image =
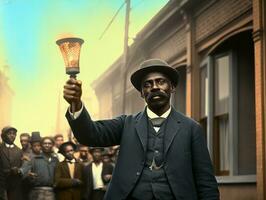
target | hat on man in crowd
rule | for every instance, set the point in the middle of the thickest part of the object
(35, 137)
(154, 65)
(6, 129)
(62, 146)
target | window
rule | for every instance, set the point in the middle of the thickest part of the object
(221, 113)
(227, 113)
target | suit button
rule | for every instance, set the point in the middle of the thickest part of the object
(138, 173)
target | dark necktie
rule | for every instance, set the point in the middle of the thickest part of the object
(157, 122)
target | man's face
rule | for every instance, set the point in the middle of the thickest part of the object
(36, 147)
(106, 159)
(47, 146)
(83, 152)
(10, 137)
(24, 141)
(156, 90)
(97, 155)
(59, 141)
(69, 152)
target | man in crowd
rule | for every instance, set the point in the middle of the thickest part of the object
(25, 144)
(113, 152)
(162, 155)
(84, 155)
(68, 174)
(35, 143)
(106, 156)
(58, 139)
(97, 175)
(40, 172)
(10, 163)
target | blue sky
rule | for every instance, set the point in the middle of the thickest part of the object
(28, 31)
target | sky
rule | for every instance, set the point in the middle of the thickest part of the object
(28, 31)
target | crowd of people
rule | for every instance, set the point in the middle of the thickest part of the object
(48, 168)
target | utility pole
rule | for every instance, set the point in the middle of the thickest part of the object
(123, 69)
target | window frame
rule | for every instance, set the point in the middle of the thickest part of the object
(209, 63)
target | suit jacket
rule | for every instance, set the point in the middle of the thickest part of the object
(88, 177)
(12, 183)
(188, 166)
(64, 184)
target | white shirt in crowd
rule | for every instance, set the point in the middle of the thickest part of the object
(97, 176)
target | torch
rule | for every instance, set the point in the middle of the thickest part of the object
(70, 49)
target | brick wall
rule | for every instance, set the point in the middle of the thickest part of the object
(219, 14)
(172, 46)
(260, 66)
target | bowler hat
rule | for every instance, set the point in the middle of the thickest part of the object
(62, 146)
(153, 65)
(8, 128)
(35, 137)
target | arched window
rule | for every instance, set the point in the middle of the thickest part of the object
(227, 107)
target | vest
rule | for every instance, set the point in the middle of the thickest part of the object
(153, 183)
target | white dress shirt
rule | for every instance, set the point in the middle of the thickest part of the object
(152, 115)
(97, 176)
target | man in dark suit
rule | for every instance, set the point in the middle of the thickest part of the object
(10, 162)
(97, 175)
(163, 154)
(68, 174)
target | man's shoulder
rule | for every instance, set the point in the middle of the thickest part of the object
(63, 162)
(185, 119)
(136, 115)
(18, 149)
(88, 167)
(79, 164)
(38, 157)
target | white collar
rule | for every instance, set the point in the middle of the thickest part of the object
(152, 115)
(9, 145)
(71, 161)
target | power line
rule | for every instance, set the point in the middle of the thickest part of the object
(113, 18)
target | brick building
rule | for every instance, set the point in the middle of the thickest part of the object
(219, 48)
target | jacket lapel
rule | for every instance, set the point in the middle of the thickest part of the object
(171, 130)
(5, 151)
(142, 129)
(77, 170)
(66, 169)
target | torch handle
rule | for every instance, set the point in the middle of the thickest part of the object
(73, 103)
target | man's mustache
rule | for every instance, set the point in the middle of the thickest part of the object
(157, 93)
